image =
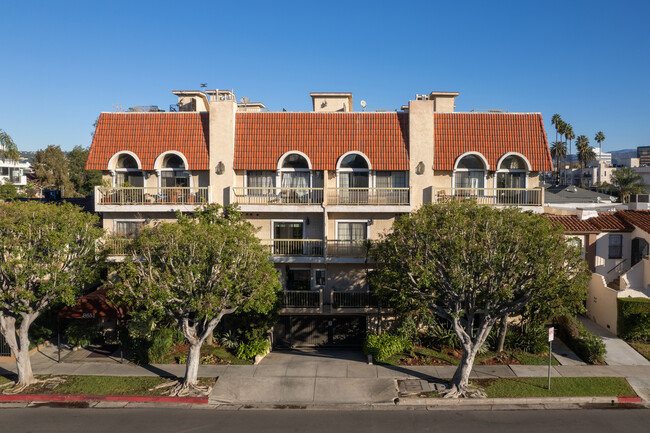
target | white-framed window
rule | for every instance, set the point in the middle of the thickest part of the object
(615, 246)
(287, 237)
(353, 171)
(470, 171)
(512, 172)
(298, 279)
(130, 228)
(173, 172)
(352, 231)
(260, 182)
(128, 172)
(391, 179)
(319, 279)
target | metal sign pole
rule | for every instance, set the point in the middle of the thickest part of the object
(551, 335)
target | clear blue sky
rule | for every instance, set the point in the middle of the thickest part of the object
(65, 62)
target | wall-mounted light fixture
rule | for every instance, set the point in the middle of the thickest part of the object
(419, 169)
(220, 168)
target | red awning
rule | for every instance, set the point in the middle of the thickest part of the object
(93, 306)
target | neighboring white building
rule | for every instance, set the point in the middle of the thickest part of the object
(14, 171)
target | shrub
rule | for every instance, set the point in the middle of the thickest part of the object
(161, 340)
(251, 348)
(634, 318)
(441, 334)
(383, 346)
(531, 339)
(82, 332)
(589, 347)
(38, 334)
(228, 340)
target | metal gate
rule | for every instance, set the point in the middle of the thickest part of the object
(4, 347)
(320, 331)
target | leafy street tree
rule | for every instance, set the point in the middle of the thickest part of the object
(83, 180)
(197, 271)
(628, 182)
(8, 149)
(48, 252)
(558, 151)
(51, 169)
(8, 191)
(472, 265)
(585, 154)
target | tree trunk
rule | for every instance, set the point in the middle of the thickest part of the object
(192, 364)
(19, 345)
(502, 333)
(460, 381)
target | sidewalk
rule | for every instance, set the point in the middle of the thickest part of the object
(307, 378)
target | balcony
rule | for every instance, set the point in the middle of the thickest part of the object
(294, 247)
(302, 301)
(149, 198)
(355, 300)
(339, 248)
(491, 196)
(118, 246)
(260, 196)
(368, 196)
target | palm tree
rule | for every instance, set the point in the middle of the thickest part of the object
(8, 149)
(558, 150)
(556, 120)
(628, 182)
(600, 137)
(568, 136)
(585, 154)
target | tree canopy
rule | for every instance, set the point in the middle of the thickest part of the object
(628, 181)
(83, 180)
(48, 253)
(473, 265)
(51, 169)
(196, 271)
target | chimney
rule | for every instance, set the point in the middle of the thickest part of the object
(332, 102)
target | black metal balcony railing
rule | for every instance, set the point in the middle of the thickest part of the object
(339, 248)
(368, 196)
(295, 247)
(353, 300)
(492, 196)
(151, 195)
(277, 196)
(302, 299)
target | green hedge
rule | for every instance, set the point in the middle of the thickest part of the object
(634, 318)
(589, 347)
(383, 346)
(251, 348)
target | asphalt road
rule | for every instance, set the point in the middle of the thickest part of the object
(47, 419)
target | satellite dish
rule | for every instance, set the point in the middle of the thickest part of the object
(245, 100)
(363, 103)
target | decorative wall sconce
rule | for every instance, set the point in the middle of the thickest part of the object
(419, 169)
(220, 168)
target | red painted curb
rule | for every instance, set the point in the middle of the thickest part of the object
(124, 398)
(629, 399)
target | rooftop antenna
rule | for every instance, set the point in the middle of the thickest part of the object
(245, 101)
(363, 105)
(204, 85)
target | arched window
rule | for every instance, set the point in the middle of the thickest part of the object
(295, 177)
(470, 172)
(354, 171)
(512, 172)
(127, 172)
(173, 172)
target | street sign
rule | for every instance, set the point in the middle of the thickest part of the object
(551, 334)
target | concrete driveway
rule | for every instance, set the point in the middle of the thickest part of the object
(618, 351)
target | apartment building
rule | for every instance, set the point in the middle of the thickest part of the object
(319, 185)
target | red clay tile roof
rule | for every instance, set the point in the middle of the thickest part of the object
(148, 135)
(572, 223)
(492, 135)
(639, 218)
(611, 222)
(262, 138)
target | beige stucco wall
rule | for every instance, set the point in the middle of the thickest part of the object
(381, 223)
(601, 303)
(603, 263)
(346, 277)
(421, 148)
(264, 222)
(222, 148)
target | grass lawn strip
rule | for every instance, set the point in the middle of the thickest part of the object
(104, 385)
(522, 387)
(643, 347)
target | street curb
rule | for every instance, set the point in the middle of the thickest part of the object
(445, 402)
(114, 398)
